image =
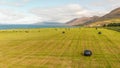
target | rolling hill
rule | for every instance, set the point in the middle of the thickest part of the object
(50, 24)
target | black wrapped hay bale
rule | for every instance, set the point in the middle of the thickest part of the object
(99, 32)
(87, 52)
(63, 32)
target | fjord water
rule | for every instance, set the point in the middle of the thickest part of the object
(30, 26)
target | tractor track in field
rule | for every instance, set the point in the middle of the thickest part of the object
(75, 51)
(108, 46)
(100, 46)
(23, 56)
(54, 50)
(43, 47)
(18, 57)
(111, 49)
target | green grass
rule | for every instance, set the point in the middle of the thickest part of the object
(114, 28)
(48, 48)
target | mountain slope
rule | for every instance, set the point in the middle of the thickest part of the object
(112, 17)
(113, 14)
(82, 21)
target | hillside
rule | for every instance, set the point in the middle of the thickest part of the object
(112, 17)
(82, 21)
(105, 22)
(113, 14)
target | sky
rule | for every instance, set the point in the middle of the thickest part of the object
(62, 11)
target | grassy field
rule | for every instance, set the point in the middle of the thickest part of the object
(49, 48)
(114, 28)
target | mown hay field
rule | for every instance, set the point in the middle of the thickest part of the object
(50, 48)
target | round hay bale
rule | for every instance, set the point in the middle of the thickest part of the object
(63, 32)
(55, 29)
(26, 31)
(96, 28)
(87, 52)
(99, 32)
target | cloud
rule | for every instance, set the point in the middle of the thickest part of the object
(113, 1)
(18, 3)
(26, 1)
(63, 13)
(109, 4)
(55, 14)
(8, 16)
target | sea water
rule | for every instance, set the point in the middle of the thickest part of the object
(31, 26)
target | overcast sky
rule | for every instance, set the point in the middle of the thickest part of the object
(34, 11)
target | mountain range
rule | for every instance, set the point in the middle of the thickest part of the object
(49, 23)
(112, 17)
